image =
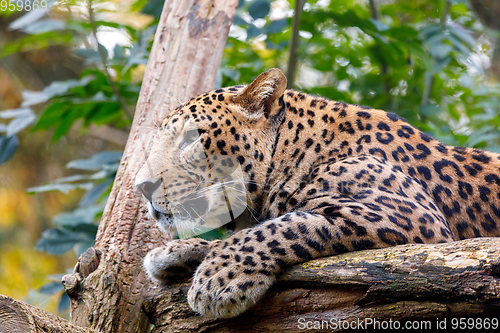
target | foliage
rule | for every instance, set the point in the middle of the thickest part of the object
(76, 229)
(98, 96)
(421, 59)
(104, 94)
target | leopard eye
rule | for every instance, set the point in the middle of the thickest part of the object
(189, 137)
(192, 135)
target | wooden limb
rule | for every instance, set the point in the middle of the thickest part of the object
(424, 282)
(109, 285)
(19, 317)
(294, 44)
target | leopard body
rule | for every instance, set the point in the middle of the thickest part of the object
(320, 178)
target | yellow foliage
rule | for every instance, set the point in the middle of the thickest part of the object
(16, 206)
(22, 269)
(119, 11)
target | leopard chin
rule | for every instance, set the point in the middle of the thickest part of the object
(190, 219)
(164, 219)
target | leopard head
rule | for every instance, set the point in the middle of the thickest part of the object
(210, 156)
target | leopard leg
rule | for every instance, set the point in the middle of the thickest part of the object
(239, 270)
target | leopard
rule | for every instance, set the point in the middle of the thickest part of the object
(309, 177)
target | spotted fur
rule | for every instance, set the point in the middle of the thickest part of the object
(319, 177)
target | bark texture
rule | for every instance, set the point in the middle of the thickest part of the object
(109, 285)
(424, 282)
(19, 317)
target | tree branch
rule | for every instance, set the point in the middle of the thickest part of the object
(294, 43)
(109, 285)
(19, 317)
(459, 279)
(383, 65)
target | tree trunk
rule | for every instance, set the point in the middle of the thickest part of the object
(109, 284)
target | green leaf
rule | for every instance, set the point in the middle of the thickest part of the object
(379, 25)
(104, 113)
(238, 20)
(459, 46)
(8, 146)
(479, 137)
(119, 52)
(95, 193)
(231, 73)
(253, 31)
(84, 228)
(96, 162)
(276, 26)
(91, 56)
(73, 178)
(57, 88)
(51, 288)
(16, 113)
(103, 50)
(64, 303)
(435, 40)
(138, 55)
(430, 110)
(36, 42)
(59, 241)
(464, 36)
(153, 8)
(441, 50)
(43, 26)
(30, 18)
(81, 215)
(430, 30)
(52, 114)
(63, 126)
(259, 9)
(18, 124)
(65, 188)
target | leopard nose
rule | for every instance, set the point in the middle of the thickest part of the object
(147, 188)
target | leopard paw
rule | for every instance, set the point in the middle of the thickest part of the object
(227, 291)
(179, 258)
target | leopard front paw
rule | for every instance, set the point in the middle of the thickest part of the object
(227, 291)
(178, 259)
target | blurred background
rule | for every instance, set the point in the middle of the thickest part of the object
(71, 71)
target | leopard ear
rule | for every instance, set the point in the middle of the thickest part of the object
(262, 95)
